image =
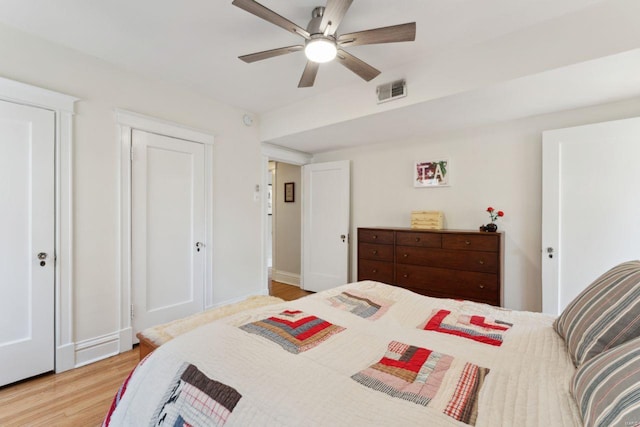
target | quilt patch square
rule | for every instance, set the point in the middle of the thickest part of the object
(293, 330)
(193, 399)
(360, 304)
(463, 405)
(407, 372)
(477, 328)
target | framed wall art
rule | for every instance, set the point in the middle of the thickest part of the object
(432, 173)
(289, 192)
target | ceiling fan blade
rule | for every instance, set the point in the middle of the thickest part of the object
(309, 74)
(392, 34)
(260, 11)
(259, 56)
(358, 66)
(333, 13)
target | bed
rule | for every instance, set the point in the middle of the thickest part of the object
(372, 354)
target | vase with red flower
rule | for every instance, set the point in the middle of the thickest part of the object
(492, 227)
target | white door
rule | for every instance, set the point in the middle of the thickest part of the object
(325, 214)
(167, 228)
(591, 208)
(27, 264)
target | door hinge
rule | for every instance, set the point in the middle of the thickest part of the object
(131, 153)
(131, 311)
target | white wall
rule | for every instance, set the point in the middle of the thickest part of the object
(101, 88)
(288, 225)
(497, 166)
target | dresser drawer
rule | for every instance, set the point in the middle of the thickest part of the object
(425, 240)
(380, 271)
(485, 262)
(375, 236)
(375, 252)
(453, 283)
(471, 242)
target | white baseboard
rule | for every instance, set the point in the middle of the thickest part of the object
(65, 357)
(286, 277)
(94, 349)
(125, 339)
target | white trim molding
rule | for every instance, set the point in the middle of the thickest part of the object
(161, 127)
(94, 349)
(285, 155)
(127, 121)
(286, 277)
(63, 107)
(277, 154)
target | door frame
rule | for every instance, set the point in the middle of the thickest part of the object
(127, 121)
(63, 107)
(277, 154)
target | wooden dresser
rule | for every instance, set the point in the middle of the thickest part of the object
(443, 263)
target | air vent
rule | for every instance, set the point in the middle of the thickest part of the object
(390, 91)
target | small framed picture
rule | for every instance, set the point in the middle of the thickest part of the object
(289, 192)
(432, 173)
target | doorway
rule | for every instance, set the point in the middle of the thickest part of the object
(324, 196)
(271, 156)
(285, 222)
(175, 150)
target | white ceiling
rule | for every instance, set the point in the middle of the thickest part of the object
(195, 43)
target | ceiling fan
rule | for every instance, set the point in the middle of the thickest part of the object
(322, 43)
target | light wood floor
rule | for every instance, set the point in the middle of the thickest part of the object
(286, 292)
(82, 396)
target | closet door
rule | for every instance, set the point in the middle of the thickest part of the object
(167, 228)
(27, 228)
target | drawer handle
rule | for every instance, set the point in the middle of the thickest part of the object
(466, 242)
(375, 252)
(374, 237)
(405, 255)
(481, 286)
(374, 271)
(405, 275)
(481, 262)
(417, 239)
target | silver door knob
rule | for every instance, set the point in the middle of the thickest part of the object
(42, 255)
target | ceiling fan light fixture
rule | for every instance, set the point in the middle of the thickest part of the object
(320, 49)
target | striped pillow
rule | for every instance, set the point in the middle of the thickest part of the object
(604, 315)
(607, 387)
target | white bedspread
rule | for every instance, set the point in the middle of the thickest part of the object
(333, 383)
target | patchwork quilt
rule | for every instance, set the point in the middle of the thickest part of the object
(360, 354)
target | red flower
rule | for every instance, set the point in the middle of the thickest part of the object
(493, 214)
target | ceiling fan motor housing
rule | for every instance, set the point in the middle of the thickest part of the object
(316, 20)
